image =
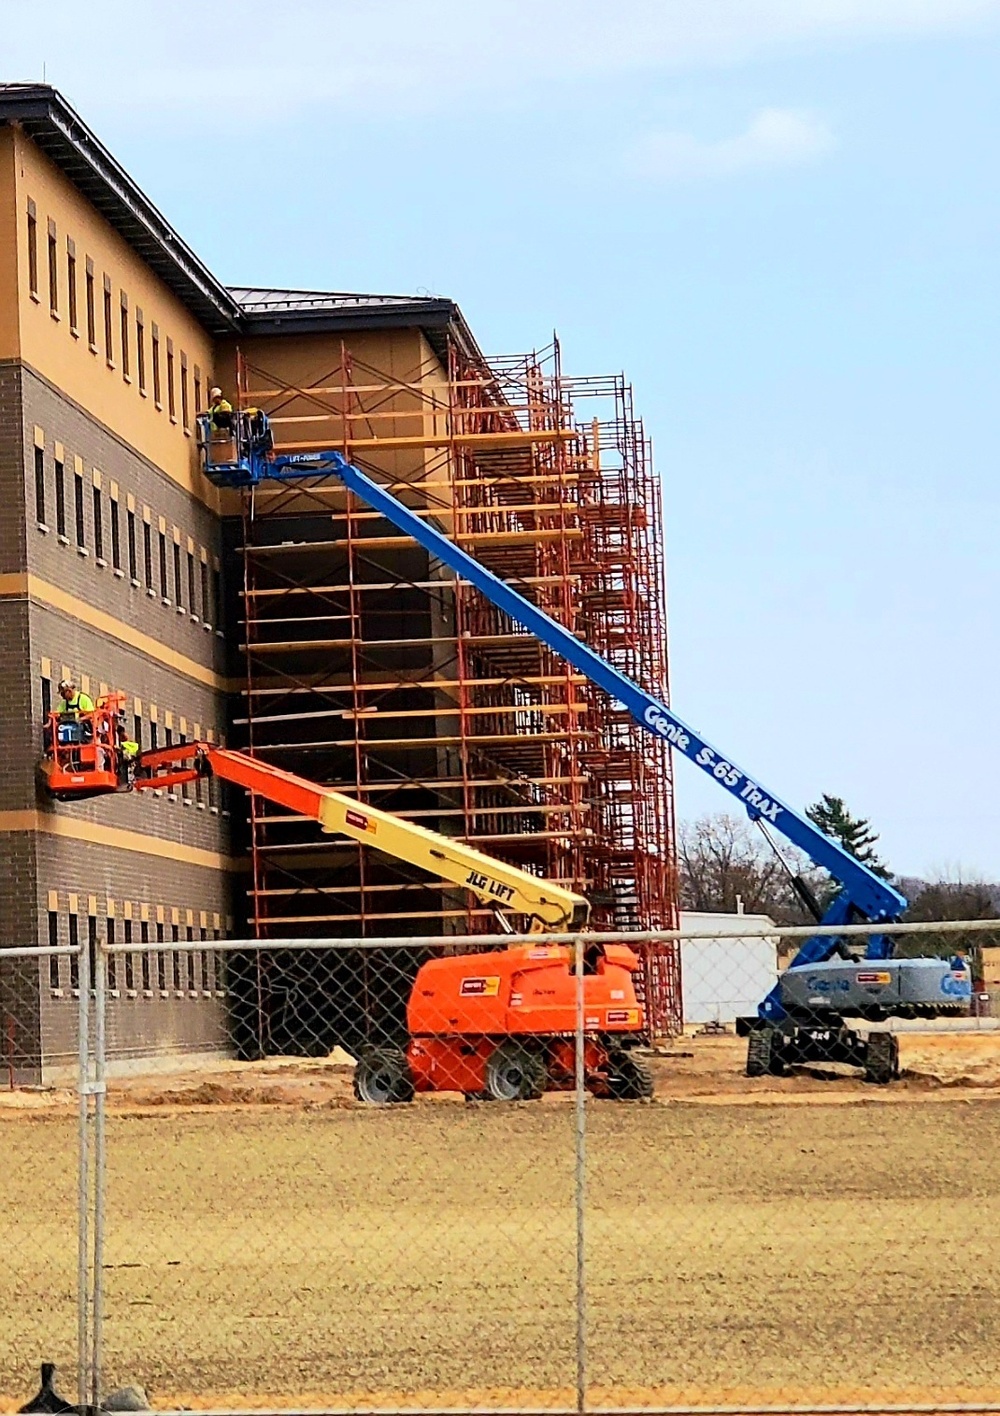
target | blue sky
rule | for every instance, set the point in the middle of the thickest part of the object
(780, 217)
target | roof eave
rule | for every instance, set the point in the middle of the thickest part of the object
(439, 319)
(43, 114)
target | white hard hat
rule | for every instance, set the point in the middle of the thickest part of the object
(215, 393)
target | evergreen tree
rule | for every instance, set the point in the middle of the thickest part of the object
(854, 833)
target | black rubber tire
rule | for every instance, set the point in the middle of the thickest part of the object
(763, 1055)
(382, 1077)
(514, 1072)
(630, 1078)
(881, 1058)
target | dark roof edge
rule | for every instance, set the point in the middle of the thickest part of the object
(437, 316)
(56, 128)
(31, 105)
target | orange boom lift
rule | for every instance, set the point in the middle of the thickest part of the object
(498, 1025)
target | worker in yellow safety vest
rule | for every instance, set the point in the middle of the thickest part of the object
(73, 704)
(220, 411)
(73, 701)
(128, 754)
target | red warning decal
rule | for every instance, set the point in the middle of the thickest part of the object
(360, 821)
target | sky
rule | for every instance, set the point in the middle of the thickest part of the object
(780, 218)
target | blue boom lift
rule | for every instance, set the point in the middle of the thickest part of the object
(802, 1019)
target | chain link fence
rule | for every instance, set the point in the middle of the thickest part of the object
(421, 1178)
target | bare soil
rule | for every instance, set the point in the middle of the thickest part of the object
(801, 1239)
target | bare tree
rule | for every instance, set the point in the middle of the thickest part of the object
(724, 862)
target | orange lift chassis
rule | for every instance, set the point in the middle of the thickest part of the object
(498, 1025)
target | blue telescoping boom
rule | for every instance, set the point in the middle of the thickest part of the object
(863, 896)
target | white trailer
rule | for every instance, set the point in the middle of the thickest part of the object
(725, 976)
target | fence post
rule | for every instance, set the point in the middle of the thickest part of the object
(100, 1063)
(83, 1182)
(580, 1183)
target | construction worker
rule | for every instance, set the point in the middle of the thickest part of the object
(128, 752)
(73, 703)
(72, 700)
(259, 429)
(220, 411)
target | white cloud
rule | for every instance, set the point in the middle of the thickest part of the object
(383, 57)
(777, 137)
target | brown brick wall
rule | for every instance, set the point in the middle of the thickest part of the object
(18, 753)
(20, 1037)
(61, 564)
(153, 653)
(12, 538)
(142, 1022)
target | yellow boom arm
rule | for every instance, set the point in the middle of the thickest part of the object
(492, 881)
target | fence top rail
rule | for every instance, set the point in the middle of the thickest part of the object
(37, 951)
(504, 941)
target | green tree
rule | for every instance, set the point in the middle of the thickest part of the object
(854, 833)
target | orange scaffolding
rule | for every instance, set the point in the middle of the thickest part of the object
(371, 667)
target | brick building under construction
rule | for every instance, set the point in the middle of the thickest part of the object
(293, 621)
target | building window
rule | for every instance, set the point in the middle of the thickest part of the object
(32, 249)
(116, 537)
(53, 270)
(191, 599)
(140, 349)
(92, 947)
(71, 284)
(81, 531)
(206, 608)
(74, 959)
(47, 699)
(98, 525)
(129, 960)
(163, 569)
(147, 553)
(126, 362)
(161, 962)
(190, 960)
(40, 485)
(60, 499)
(144, 940)
(197, 390)
(91, 311)
(171, 399)
(137, 728)
(178, 596)
(109, 334)
(55, 982)
(112, 959)
(185, 404)
(154, 735)
(133, 569)
(175, 958)
(204, 968)
(156, 367)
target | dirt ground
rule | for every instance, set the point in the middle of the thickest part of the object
(798, 1239)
